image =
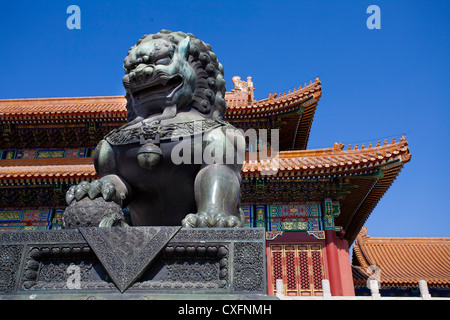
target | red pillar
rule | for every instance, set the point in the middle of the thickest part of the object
(334, 271)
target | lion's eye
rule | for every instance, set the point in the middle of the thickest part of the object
(164, 61)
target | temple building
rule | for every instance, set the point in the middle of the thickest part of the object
(312, 203)
(401, 263)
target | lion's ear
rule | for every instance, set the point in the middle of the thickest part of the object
(183, 47)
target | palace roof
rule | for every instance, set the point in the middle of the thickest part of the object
(44, 110)
(275, 104)
(402, 261)
(292, 113)
(329, 162)
(38, 171)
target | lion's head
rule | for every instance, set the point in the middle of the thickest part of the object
(173, 70)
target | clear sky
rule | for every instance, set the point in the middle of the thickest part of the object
(377, 84)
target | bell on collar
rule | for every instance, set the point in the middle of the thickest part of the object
(149, 156)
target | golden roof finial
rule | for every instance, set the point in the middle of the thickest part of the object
(356, 147)
(378, 143)
(393, 140)
(370, 145)
(385, 142)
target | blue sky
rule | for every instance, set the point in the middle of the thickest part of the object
(377, 84)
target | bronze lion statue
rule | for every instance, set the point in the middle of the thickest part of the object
(176, 160)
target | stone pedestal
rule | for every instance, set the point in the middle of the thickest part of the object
(133, 263)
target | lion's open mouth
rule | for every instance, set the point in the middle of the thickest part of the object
(163, 87)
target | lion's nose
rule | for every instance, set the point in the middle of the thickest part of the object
(144, 70)
(149, 71)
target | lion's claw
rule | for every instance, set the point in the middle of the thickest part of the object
(93, 190)
(81, 190)
(210, 220)
(108, 191)
(70, 194)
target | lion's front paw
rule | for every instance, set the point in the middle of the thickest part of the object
(93, 190)
(210, 220)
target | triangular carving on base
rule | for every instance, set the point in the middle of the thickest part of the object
(126, 252)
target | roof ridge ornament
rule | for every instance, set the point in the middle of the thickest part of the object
(362, 235)
(338, 147)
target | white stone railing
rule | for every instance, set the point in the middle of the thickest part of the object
(374, 290)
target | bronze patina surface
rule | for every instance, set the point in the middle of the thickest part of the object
(175, 162)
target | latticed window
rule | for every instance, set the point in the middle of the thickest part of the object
(300, 266)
